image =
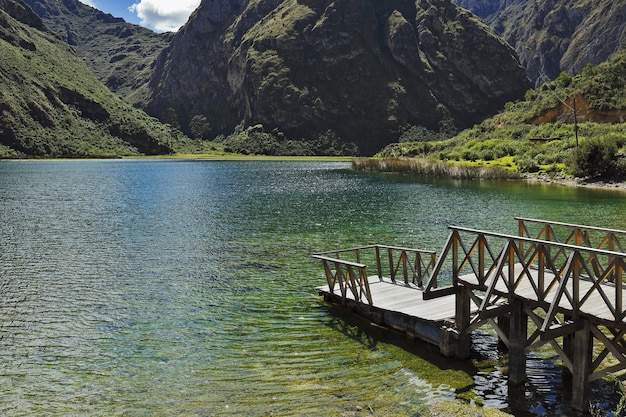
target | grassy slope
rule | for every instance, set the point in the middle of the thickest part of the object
(52, 105)
(120, 54)
(505, 139)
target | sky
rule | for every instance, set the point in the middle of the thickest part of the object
(158, 15)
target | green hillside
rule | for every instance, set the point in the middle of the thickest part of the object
(53, 106)
(120, 54)
(539, 133)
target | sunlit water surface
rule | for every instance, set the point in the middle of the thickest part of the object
(186, 288)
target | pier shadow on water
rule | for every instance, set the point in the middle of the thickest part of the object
(546, 392)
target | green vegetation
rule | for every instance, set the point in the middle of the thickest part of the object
(53, 106)
(597, 158)
(431, 168)
(255, 141)
(120, 54)
(539, 134)
(445, 408)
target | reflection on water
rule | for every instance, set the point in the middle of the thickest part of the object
(186, 288)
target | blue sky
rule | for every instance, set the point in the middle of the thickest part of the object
(158, 15)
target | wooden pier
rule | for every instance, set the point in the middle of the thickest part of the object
(566, 279)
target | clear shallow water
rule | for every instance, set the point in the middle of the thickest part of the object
(155, 288)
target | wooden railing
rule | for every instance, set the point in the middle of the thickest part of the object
(347, 268)
(573, 234)
(347, 275)
(495, 265)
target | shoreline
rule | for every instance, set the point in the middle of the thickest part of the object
(183, 157)
(576, 182)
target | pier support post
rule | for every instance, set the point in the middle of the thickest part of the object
(583, 345)
(504, 322)
(518, 335)
(462, 319)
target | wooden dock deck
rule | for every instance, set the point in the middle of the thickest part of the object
(567, 279)
(405, 299)
(401, 307)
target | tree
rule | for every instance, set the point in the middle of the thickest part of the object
(200, 127)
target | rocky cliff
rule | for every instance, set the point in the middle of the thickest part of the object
(363, 69)
(120, 54)
(552, 36)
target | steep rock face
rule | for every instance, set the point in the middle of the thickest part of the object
(121, 54)
(361, 68)
(552, 36)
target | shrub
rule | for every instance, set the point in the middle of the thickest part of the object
(594, 158)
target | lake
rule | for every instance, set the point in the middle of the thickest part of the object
(186, 288)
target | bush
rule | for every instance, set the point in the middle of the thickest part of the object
(595, 158)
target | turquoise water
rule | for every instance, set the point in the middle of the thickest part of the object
(186, 288)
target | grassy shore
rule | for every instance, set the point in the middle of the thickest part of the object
(438, 169)
(433, 168)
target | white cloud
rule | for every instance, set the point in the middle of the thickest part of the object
(91, 3)
(164, 15)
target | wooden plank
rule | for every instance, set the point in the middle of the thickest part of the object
(406, 299)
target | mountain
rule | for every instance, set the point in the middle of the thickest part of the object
(486, 8)
(121, 54)
(363, 69)
(552, 36)
(572, 125)
(51, 103)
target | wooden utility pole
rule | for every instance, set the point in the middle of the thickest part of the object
(575, 122)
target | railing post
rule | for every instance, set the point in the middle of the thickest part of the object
(541, 273)
(520, 232)
(405, 270)
(618, 271)
(378, 265)
(549, 239)
(576, 282)
(481, 260)
(612, 239)
(455, 258)
(511, 260)
(392, 273)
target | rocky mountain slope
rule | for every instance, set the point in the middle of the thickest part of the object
(552, 36)
(52, 104)
(363, 69)
(121, 54)
(543, 133)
